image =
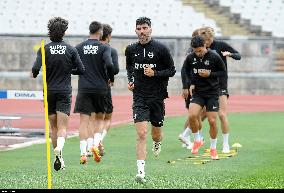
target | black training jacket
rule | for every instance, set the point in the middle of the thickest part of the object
(97, 60)
(158, 57)
(61, 61)
(205, 86)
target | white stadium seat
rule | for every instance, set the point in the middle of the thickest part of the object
(170, 17)
(266, 13)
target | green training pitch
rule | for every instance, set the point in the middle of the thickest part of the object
(258, 164)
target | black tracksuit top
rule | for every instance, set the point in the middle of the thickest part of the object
(61, 60)
(205, 86)
(157, 55)
(97, 60)
(218, 46)
(221, 46)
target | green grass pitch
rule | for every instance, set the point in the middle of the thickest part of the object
(258, 164)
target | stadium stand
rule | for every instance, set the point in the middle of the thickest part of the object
(17, 18)
(229, 26)
(267, 14)
(246, 18)
(279, 60)
(23, 26)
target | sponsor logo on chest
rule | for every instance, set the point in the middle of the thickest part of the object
(142, 66)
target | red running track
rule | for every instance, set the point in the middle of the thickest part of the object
(32, 111)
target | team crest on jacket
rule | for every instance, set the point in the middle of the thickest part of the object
(151, 54)
(206, 62)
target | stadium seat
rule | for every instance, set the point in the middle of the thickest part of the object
(31, 16)
(261, 13)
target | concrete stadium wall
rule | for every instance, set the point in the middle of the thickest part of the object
(252, 75)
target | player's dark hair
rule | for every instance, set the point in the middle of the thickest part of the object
(107, 30)
(95, 26)
(197, 41)
(143, 20)
(56, 28)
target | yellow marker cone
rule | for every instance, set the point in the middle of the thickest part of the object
(236, 145)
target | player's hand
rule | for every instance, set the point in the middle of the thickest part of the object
(204, 73)
(130, 86)
(226, 53)
(191, 88)
(185, 93)
(148, 71)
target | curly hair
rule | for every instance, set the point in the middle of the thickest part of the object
(107, 30)
(143, 20)
(197, 41)
(56, 28)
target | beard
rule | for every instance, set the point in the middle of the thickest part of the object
(144, 37)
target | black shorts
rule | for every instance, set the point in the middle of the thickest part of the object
(149, 109)
(109, 106)
(59, 102)
(87, 103)
(187, 102)
(223, 86)
(224, 91)
(210, 102)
